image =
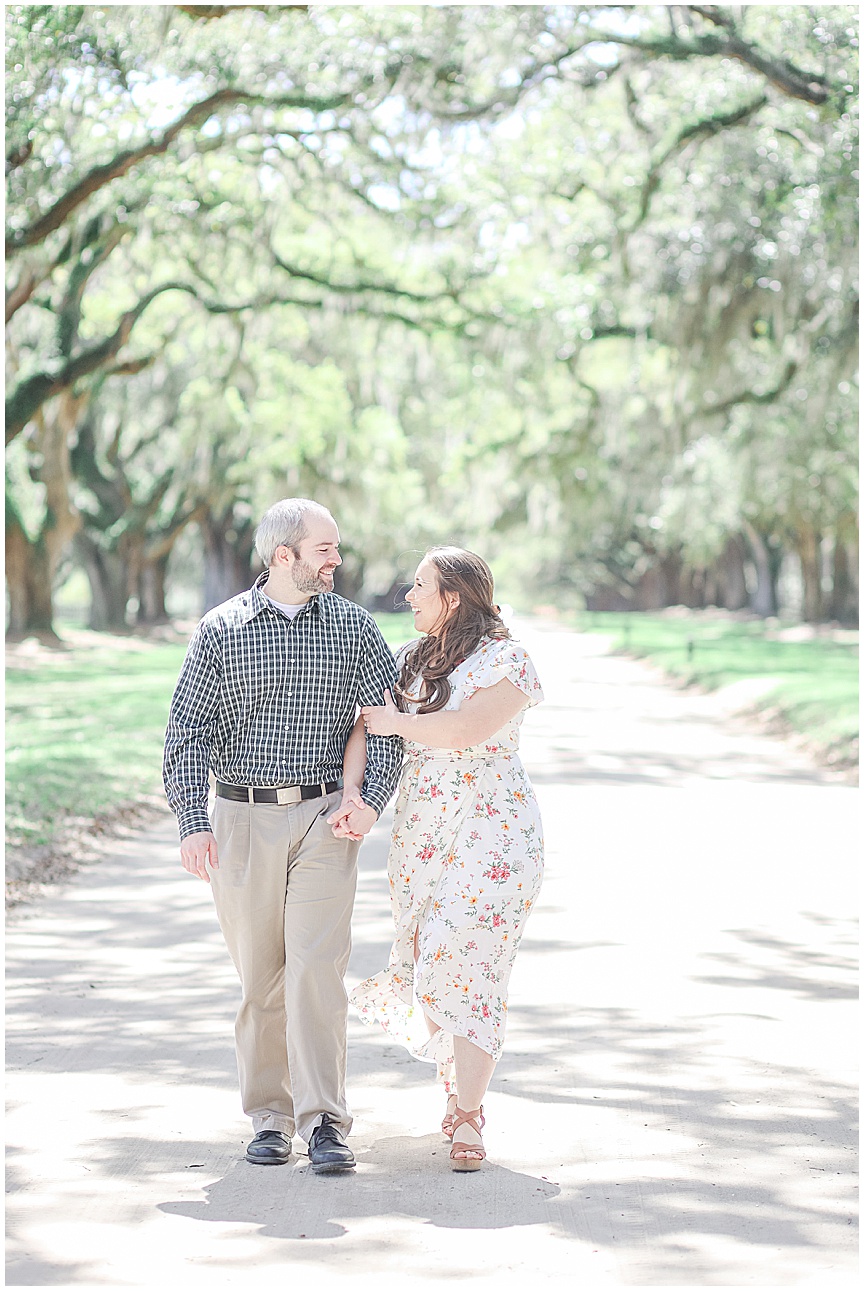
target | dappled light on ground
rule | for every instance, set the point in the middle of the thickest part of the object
(676, 1097)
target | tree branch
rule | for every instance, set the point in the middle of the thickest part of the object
(162, 543)
(792, 80)
(350, 288)
(33, 392)
(21, 292)
(206, 12)
(122, 162)
(18, 156)
(812, 87)
(132, 366)
(98, 244)
(752, 396)
(703, 129)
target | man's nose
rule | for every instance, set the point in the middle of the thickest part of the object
(337, 559)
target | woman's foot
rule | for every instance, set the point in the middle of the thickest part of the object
(447, 1123)
(467, 1152)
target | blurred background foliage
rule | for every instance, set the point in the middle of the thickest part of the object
(575, 287)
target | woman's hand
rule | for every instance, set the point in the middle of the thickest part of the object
(386, 720)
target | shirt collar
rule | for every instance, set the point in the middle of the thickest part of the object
(255, 600)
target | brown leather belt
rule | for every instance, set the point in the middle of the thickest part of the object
(285, 796)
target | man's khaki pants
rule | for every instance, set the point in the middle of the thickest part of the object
(284, 892)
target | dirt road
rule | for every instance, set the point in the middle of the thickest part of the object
(674, 1107)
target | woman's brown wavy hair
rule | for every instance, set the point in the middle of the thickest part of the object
(434, 657)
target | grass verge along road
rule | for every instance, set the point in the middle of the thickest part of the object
(810, 681)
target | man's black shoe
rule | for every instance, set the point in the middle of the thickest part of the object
(328, 1150)
(269, 1147)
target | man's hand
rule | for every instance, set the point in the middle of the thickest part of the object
(196, 851)
(352, 818)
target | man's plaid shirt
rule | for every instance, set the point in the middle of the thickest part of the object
(265, 700)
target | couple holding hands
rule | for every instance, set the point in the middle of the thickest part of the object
(267, 701)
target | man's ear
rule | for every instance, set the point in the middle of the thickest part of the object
(283, 555)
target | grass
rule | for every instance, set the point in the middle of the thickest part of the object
(811, 685)
(84, 733)
(84, 727)
(397, 628)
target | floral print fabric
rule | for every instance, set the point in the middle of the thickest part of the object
(465, 867)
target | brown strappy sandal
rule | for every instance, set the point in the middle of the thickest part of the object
(447, 1123)
(462, 1164)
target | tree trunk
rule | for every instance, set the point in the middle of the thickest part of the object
(710, 587)
(28, 578)
(733, 584)
(808, 545)
(348, 579)
(228, 550)
(650, 591)
(843, 602)
(32, 562)
(764, 599)
(108, 575)
(670, 568)
(691, 588)
(841, 581)
(151, 591)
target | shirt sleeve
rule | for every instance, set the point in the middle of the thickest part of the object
(189, 737)
(383, 752)
(505, 659)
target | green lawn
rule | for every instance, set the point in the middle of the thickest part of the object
(397, 628)
(84, 733)
(814, 683)
(85, 726)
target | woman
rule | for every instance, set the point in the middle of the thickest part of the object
(466, 854)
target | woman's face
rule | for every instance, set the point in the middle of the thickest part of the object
(431, 608)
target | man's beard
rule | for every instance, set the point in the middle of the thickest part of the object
(308, 580)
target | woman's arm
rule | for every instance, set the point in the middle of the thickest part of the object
(479, 718)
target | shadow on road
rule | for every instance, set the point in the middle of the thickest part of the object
(777, 964)
(395, 1176)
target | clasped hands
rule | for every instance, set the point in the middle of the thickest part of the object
(352, 818)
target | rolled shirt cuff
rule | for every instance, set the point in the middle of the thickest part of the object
(194, 820)
(375, 797)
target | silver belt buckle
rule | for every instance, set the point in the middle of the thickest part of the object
(289, 796)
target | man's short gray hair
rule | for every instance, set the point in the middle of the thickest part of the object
(284, 525)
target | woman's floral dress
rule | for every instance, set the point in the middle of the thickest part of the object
(465, 867)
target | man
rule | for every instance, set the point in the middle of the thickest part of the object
(266, 700)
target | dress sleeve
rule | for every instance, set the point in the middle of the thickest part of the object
(504, 659)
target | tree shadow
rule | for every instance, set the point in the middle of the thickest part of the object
(700, 1146)
(658, 769)
(777, 964)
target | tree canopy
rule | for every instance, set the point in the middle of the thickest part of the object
(574, 286)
